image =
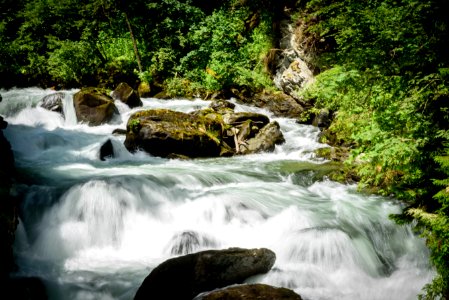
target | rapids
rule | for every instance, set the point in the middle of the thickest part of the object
(94, 229)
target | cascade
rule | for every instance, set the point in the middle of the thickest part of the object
(94, 229)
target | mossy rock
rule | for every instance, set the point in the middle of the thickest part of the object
(250, 291)
(94, 106)
(163, 132)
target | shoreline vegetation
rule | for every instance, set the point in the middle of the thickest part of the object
(380, 92)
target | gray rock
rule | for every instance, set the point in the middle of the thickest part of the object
(53, 102)
(265, 141)
(186, 276)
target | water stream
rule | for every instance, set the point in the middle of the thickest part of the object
(94, 229)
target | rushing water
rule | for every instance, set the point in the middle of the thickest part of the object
(94, 229)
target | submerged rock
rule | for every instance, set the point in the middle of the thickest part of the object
(93, 106)
(53, 102)
(127, 95)
(186, 276)
(250, 291)
(189, 241)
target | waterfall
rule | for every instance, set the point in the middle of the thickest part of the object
(94, 229)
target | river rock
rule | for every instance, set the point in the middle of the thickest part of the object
(202, 133)
(163, 132)
(127, 95)
(250, 291)
(265, 141)
(106, 150)
(53, 102)
(186, 276)
(144, 89)
(222, 106)
(93, 106)
(280, 104)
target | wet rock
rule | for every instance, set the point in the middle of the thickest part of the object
(265, 141)
(186, 276)
(280, 104)
(250, 291)
(162, 132)
(188, 242)
(127, 95)
(106, 150)
(23, 288)
(119, 131)
(94, 106)
(53, 102)
(202, 133)
(222, 106)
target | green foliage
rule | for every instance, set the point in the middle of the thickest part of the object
(385, 72)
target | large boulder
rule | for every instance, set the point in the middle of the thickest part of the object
(186, 276)
(53, 102)
(202, 133)
(250, 291)
(93, 106)
(163, 132)
(127, 95)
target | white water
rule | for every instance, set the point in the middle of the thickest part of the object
(94, 229)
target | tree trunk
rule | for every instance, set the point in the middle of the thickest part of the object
(136, 51)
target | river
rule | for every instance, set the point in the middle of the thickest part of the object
(94, 229)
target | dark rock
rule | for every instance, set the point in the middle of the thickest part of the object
(8, 205)
(280, 104)
(265, 140)
(127, 95)
(3, 123)
(53, 102)
(250, 291)
(186, 276)
(93, 106)
(119, 131)
(162, 132)
(188, 242)
(202, 133)
(322, 119)
(30, 288)
(106, 150)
